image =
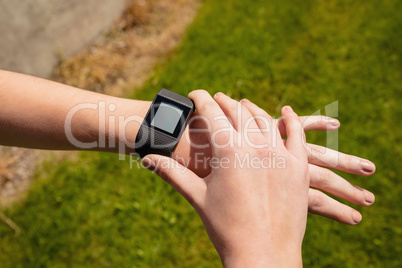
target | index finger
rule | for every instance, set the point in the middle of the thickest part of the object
(207, 107)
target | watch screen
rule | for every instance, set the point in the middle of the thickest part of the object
(166, 117)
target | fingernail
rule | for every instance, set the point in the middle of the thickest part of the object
(288, 108)
(367, 166)
(369, 197)
(356, 216)
(148, 163)
(218, 94)
(244, 100)
(334, 122)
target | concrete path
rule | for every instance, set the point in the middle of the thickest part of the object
(34, 32)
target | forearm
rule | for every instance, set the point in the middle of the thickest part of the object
(42, 114)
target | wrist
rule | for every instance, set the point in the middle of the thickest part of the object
(269, 258)
(122, 126)
(128, 119)
(257, 253)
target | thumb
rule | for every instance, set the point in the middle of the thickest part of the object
(186, 182)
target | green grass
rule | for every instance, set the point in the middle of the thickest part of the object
(97, 212)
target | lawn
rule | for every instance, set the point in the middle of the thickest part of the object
(96, 211)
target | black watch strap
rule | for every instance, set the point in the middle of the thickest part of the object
(154, 139)
(151, 142)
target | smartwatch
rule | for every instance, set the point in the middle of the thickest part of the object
(164, 124)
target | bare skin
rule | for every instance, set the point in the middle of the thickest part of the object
(255, 216)
(33, 114)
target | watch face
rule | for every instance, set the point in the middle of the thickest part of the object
(167, 116)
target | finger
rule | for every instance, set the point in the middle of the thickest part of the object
(264, 122)
(321, 156)
(323, 205)
(262, 118)
(295, 134)
(182, 179)
(237, 115)
(310, 123)
(328, 181)
(207, 107)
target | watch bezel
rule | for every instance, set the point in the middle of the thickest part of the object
(180, 124)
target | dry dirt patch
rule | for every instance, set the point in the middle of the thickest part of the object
(147, 31)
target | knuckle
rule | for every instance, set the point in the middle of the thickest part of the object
(358, 194)
(227, 149)
(261, 153)
(223, 138)
(258, 140)
(316, 200)
(312, 154)
(322, 178)
(346, 216)
(349, 161)
(321, 125)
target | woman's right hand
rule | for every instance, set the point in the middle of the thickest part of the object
(254, 211)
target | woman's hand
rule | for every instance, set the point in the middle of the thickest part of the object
(321, 159)
(255, 213)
